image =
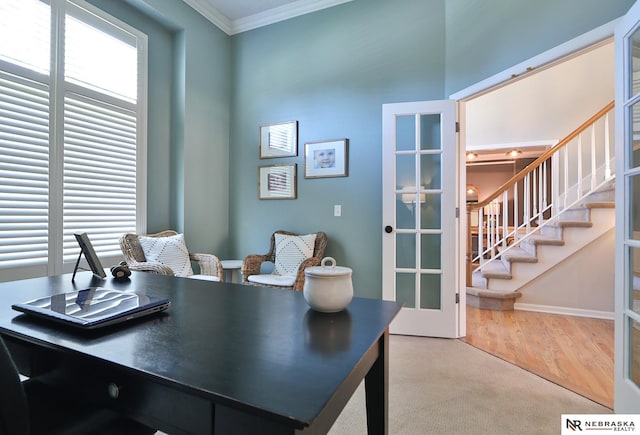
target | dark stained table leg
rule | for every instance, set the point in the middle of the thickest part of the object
(376, 384)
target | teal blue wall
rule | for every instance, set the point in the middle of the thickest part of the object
(488, 36)
(160, 65)
(189, 118)
(330, 70)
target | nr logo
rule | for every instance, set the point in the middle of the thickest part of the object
(574, 425)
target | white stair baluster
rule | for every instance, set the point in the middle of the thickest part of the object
(505, 217)
(566, 177)
(607, 148)
(579, 168)
(594, 180)
(516, 219)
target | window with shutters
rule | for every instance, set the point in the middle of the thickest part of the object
(71, 122)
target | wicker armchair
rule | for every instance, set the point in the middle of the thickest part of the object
(210, 265)
(252, 263)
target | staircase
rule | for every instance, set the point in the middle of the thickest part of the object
(554, 208)
(497, 284)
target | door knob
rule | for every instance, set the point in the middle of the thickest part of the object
(388, 229)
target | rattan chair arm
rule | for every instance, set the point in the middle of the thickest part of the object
(150, 266)
(209, 264)
(309, 262)
(251, 265)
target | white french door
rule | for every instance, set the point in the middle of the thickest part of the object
(421, 257)
(627, 286)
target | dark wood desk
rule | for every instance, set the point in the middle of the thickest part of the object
(224, 359)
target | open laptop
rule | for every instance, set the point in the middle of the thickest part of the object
(94, 307)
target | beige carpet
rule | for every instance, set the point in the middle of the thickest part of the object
(440, 386)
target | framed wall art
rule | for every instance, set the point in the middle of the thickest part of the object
(279, 140)
(326, 159)
(86, 249)
(277, 181)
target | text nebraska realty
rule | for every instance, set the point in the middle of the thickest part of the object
(616, 426)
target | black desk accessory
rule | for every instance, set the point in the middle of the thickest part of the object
(121, 270)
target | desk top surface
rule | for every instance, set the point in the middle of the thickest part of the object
(252, 346)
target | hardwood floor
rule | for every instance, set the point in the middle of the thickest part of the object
(574, 352)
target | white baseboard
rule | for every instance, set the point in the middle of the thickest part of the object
(565, 310)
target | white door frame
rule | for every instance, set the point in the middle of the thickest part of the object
(625, 402)
(626, 391)
(561, 53)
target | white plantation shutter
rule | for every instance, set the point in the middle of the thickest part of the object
(24, 163)
(82, 174)
(100, 132)
(110, 70)
(99, 174)
(26, 45)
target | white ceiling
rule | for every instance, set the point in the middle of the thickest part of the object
(236, 16)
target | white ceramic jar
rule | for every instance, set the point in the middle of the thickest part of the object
(328, 288)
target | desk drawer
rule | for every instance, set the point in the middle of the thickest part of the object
(154, 404)
(157, 405)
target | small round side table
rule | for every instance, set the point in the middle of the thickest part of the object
(234, 267)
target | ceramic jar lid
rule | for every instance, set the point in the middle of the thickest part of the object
(325, 270)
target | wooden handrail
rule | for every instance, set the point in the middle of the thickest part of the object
(540, 160)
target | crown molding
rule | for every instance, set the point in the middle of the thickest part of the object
(275, 15)
(204, 8)
(281, 13)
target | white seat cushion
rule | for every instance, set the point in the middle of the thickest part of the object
(170, 251)
(291, 251)
(205, 277)
(271, 279)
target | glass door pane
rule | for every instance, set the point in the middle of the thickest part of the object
(632, 203)
(419, 209)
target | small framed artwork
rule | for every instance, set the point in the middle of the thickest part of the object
(326, 159)
(279, 140)
(90, 255)
(277, 181)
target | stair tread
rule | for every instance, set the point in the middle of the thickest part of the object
(497, 275)
(543, 240)
(600, 204)
(520, 255)
(494, 265)
(574, 223)
(495, 269)
(483, 292)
